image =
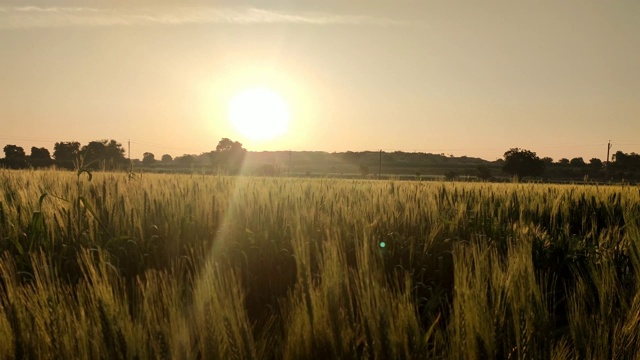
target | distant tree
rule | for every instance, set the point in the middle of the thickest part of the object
(564, 161)
(625, 166)
(484, 173)
(115, 155)
(14, 152)
(40, 157)
(104, 154)
(226, 144)
(596, 164)
(206, 159)
(230, 155)
(351, 156)
(595, 167)
(547, 160)
(450, 175)
(166, 158)
(185, 160)
(148, 159)
(521, 163)
(577, 162)
(94, 154)
(14, 157)
(626, 161)
(66, 154)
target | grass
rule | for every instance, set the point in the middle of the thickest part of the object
(179, 266)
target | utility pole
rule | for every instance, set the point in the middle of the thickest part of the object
(380, 166)
(606, 166)
(129, 155)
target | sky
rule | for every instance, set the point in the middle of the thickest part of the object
(472, 78)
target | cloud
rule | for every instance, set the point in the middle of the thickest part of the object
(28, 17)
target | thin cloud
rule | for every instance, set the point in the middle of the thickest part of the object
(28, 17)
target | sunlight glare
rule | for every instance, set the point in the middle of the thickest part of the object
(259, 114)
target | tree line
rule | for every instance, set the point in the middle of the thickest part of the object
(98, 154)
(229, 155)
(109, 155)
(523, 163)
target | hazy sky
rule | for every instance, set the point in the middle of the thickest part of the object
(468, 78)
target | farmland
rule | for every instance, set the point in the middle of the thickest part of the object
(103, 265)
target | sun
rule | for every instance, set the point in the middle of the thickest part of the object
(259, 114)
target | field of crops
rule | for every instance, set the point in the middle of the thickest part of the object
(201, 267)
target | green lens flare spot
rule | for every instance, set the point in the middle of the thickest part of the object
(382, 244)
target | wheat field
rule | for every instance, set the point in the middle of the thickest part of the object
(108, 266)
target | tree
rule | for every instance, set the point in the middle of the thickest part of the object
(521, 163)
(450, 175)
(104, 154)
(116, 155)
(577, 162)
(595, 164)
(94, 154)
(66, 154)
(564, 161)
(622, 160)
(14, 157)
(40, 157)
(148, 159)
(185, 160)
(625, 166)
(228, 145)
(229, 155)
(547, 160)
(595, 167)
(484, 173)
(14, 152)
(166, 158)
